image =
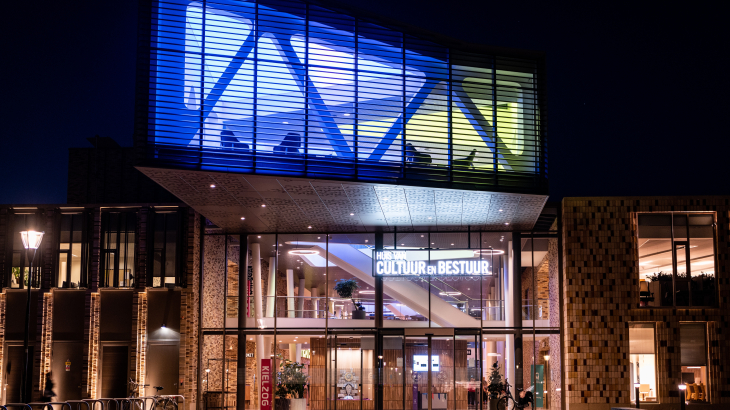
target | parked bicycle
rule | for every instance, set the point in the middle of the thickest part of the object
(507, 402)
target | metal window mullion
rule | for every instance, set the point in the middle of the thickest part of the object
(403, 109)
(254, 132)
(306, 89)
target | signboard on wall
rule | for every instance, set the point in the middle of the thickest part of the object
(249, 280)
(396, 263)
(266, 388)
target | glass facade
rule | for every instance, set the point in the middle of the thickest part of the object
(289, 88)
(339, 314)
(677, 260)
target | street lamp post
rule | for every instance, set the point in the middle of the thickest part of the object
(31, 241)
(682, 396)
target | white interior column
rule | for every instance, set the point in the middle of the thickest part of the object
(292, 352)
(258, 314)
(298, 354)
(315, 302)
(290, 305)
(300, 299)
(509, 351)
(271, 291)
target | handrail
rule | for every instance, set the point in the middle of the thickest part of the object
(108, 401)
(18, 405)
(135, 399)
(51, 404)
(78, 403)
(94, 401)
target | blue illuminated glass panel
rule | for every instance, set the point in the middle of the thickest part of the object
(284, 87)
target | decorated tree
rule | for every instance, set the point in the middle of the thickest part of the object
(496, 385)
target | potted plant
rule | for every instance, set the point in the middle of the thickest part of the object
(495, 386)
(290, 382)
(345, 288)
(660, 284)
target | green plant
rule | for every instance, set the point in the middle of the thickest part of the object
(495, 386)
(659, 276)
(345, 289)
(290, 379)
(16, 273)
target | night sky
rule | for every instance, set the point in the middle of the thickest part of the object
(638, 92)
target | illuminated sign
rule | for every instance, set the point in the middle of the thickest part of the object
(395, 263)
(266, 388)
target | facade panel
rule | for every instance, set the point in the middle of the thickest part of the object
(289, 88)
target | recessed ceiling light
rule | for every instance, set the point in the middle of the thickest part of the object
(259, 236)
(506, 223)
(347, 114)
(352, 214)
(263, 205)
(452, 244)
(243, 218)
(212, 185)
(309, 227)
(402, 244)
(366, 241)
(432, 243)
(500, 210)
(421, 236)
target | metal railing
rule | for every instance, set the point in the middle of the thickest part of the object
(535, 309)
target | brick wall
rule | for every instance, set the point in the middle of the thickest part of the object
(600, 285)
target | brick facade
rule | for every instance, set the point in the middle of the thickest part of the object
(600, 286)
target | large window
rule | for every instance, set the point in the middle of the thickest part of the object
(118, 244)
(71, 258)
(165, 248)
(693, 350)
(642, 351)
(677, 260)
(297, 89)
(19, 270)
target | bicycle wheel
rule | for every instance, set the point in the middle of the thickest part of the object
(505, 404)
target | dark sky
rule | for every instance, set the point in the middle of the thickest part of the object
(638, 92)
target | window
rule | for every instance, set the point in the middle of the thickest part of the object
(117, 249)
(693, 350)
(643, 361)
(165, 251)
(20, 258)
(677, 260)
(70, 251)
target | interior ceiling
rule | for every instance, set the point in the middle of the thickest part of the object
(295, 204)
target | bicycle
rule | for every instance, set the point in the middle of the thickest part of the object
(504, 402)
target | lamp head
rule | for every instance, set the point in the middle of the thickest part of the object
(547, 357)
(682, 387)
(31, 239)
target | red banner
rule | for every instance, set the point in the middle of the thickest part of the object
(267, 387)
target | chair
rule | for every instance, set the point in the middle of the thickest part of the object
(644, 389)
(702, 396)
(692, 389)
(644, 295)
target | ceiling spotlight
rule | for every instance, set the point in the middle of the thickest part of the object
(318, 237)
(243, 218)
(500, 210)
(259, 236)
(303, 252)
(352, 214)
(452, 244)
(429, 217)
(402, 244)
(309, 227)
(366, 241)
(421, 236)
(506, 223)
(212, 185)
(263, 205)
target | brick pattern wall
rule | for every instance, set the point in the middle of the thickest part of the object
(47, 337)
(554, 368)
(141, 338)
(189, 313)
(600, 285)
(92, 364)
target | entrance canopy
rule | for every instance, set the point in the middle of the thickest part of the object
(253, 203)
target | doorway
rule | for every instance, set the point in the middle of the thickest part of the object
(440, 369)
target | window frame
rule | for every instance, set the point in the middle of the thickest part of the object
(653, 326)
(674, 243)
(83, 274)
(179, 244)
(103, 251)
(12, 230)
